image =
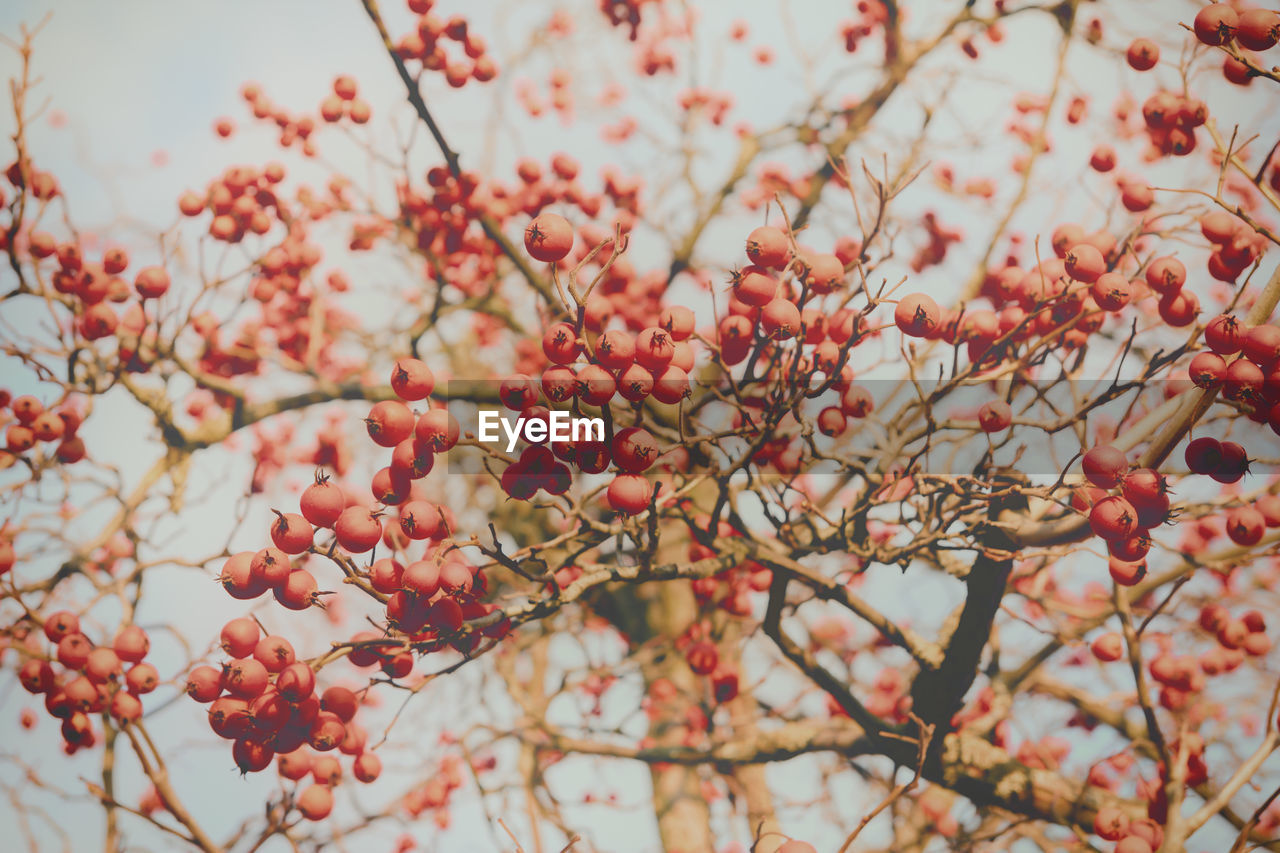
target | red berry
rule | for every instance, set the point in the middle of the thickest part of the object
(1245, 525)
(274, 653)
(238, 579)
(1113, 518)
(995, 416)
(654, 348)
(634, 449)
(132, 644)
(340, 701)
(1110, 823)
(560, 344)
(291, 533)
(412, 459)
(125, 707)
(245, 678)
(1216, 24)
(1143, 54)
(678, 320)
(141, 679)
(322, 502)
(594, 385)
(1166, 275)
(419, 520)
(357, 529)
(917, 315)
(1126, 573)
(548, 238)
(1145, 486)
(1233, 465)
(1130, 549)
(298, 592)
(1225, 334)
(615, 350)
(239, 636)
(270, 567)
(367, 767)
(780, 319)
(204, 684)
(1108, 647)
(1207, 370)
(768, 247)
(151, 282)
(831, 421)
(754, 286)
(438, 430)
(296, 682)
(1180, 309)
(1085, 263)
(629, 494)
(315, 803)
(1258, 29)
(1262, 345)
(389, 422)
(824, 273)
(1104, 466)
(421, 578)
(1203, 455)
(411, 379)
(1111, 291)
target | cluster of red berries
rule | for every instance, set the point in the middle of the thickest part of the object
(1170, 120)
(730, 589)
(30, 423)
(243, 200)
(715, 104)
(288, 310)
(294, 130)
(265, 701)
(25, 177)
(1220, 24)
(426, 44)
(1252, 377)
(437, 791)
(93, 286)
(873, 14)
(79, 679)
(653, 364)
(703, 656)
(343, 102)
(1123, 520)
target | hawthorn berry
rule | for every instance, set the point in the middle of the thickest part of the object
(768, 247)
(634, 449)
(389, 422)
(291, 533)
(1216, 24)
(357, 529)
(995, 416)
(548, 238)
(438, 430)
(917, 315)
(322, 502)
(629, 494)
(411, 379)
(1113, 518)
(1104, 466)
(1143, 54)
